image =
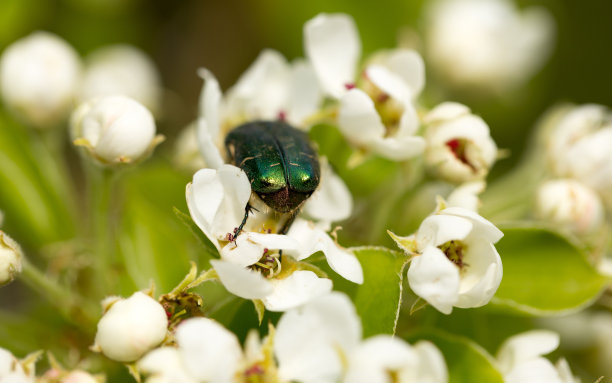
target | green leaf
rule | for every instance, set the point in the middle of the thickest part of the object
(378, 299)
(466, 361)
(545, 274)
(208, 247)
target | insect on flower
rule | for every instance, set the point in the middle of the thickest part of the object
(280, 163)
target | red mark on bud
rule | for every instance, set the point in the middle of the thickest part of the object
(254, 370)
(349, 85)
(282, 115)
(458, 146)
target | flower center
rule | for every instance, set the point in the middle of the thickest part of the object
(269, 265)
(389, 109)
(454, 251)
(254, 374)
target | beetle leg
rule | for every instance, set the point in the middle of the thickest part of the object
(248, 209)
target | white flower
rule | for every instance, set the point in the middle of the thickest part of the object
(207, 353)
(186, 152)
(38, 78)
(570, 205)
(487, 43)
(455, 262)
(321, 342)
(250, 266)
(459, 144)
(579, 147)
(520, 359)
(131, 327)
(121, 70)
(114, 129)
(12, 370)
(466, 195)
(377, 113)
(10, 259)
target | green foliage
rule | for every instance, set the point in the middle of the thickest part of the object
(544, 274)
(378, 299)
(467, 362)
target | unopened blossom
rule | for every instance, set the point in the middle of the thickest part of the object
(114, 129)
(459, 144)
(131, 327)
(570, 205)
(121, 70)
(208, 353)
(455, 263)
(376, 108)
(39, 76)
(466, 195)
(10, 259)
(579, 147)
(250, 265)
(520, 359)
(488, 44)
(321, 342)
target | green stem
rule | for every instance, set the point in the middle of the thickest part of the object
(70, 305)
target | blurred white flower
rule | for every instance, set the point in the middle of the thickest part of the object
(459, 144)
(121, 70)
(520, 359)
(251, 266)
(12, 370)
(187, 150)
(10, 259)
(466, 195)
(489, 44)
(376, 111)
(579, 147)
(208, 353)
(321, 342)
(79, 376)
(114, 129)
(570, 205)
(455, 262)
(130, 327)
(39, 75)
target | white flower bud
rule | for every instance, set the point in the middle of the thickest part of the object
(11, 370)
(115, 129)
(10, 259)
(38, 77)
(459, 145)
(131, 327)
(571, 205)
(121, 70)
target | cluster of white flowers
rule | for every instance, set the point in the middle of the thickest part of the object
(488, 44)
(454, 261)
(43, 78)
(317, 342)
(579, 154)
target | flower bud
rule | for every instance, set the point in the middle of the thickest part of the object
(131, 327)
(571, 205)
(121, 70)
(10, 259)
(12, 370)
(38, 76)
(459, 145)
(114, 129)
(79, 376)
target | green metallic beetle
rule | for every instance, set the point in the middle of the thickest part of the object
(282, 166)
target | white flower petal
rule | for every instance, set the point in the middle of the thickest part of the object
(241, 281)
(358, 119)
(409, 65)
(432, 367)
(261, 92)
(249, 247)
(313, 239)
(446, 111)
(481, 225)
(210, 103)
(438, 229)
(332, 44)
(204, 196)
(304, 93)
(399, 148)
(526, 346)
(309, 339)
(166, 366)
(210, 352)
(539, 370)
(481, 276)
(389, 83)
(298, 288)
(466, 195)
(434, 278)
(332, 201)
(237, 192)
